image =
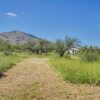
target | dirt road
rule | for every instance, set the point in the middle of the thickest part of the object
(34, 79)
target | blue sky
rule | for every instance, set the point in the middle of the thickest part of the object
(53, 19)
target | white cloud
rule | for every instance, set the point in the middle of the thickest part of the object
(11, 14)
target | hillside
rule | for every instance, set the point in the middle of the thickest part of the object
(18, 37)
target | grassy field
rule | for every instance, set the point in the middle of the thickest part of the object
(6, 62)
(71, 70)
(75, 71)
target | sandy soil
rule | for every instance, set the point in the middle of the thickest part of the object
(34, 79)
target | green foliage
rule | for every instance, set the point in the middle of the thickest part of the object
(75, 71)
(6, 62)
(4, 45)
(89, 54)
(7, 52)
(60, 48)
(40, 46)
(5, 66)
(67, 55)
(71, 42)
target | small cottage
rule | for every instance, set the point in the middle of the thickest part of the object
(73, 50)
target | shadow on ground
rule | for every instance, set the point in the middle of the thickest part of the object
(2, 75)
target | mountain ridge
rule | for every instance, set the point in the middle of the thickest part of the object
(18, 37)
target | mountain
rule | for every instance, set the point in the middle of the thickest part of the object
(18, 37)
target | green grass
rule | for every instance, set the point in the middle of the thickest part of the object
(6, 62)
(75, 71)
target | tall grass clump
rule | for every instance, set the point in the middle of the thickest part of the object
(75, 71)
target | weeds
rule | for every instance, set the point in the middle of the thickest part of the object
(75, 71)
(7, 62)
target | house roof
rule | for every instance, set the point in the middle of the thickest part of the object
(74, 48)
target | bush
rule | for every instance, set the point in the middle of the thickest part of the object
(89, 57)
(89, 54)
(4, 66)
(7, 52)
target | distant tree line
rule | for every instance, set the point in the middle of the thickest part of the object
(89, 53)
(39, 47)
(60, 46)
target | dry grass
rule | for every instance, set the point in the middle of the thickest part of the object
(34, 79)
(20, 80)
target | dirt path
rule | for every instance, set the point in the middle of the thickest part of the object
(34, 79)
